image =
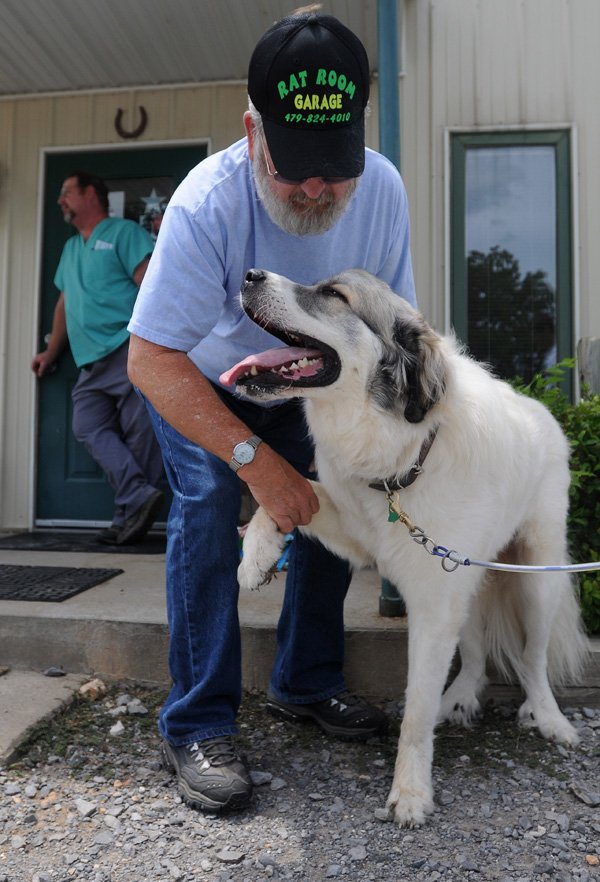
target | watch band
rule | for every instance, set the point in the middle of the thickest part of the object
(244, 452)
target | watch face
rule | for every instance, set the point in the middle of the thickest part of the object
(244, 452)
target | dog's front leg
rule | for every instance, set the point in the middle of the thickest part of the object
(433, 636)
(328, 527)
(263, 544)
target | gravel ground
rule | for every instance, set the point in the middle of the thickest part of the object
(89, 800)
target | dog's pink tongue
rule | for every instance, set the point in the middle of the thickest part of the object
(270, 360)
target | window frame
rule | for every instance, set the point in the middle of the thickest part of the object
(563, 140)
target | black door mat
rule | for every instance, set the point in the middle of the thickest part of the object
(52, 584)
(79, 540)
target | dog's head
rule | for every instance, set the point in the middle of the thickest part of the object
(351, 328)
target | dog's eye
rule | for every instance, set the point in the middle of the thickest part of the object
(333, 292)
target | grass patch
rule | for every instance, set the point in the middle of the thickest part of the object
(82, 728)
(496, 744)
(80, 735)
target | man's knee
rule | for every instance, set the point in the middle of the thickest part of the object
(82, 427)
(88, 423)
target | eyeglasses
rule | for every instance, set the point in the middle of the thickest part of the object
(281, 180)
(66, 190)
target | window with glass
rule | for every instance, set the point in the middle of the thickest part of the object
(511, 291)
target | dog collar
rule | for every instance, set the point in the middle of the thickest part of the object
(409, 477)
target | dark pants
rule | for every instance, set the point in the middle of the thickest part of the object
(111, 421)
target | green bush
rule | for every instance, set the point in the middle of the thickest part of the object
(581, 425)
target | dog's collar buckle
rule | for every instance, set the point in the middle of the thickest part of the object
(388, 485)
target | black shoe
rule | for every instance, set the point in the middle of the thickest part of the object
(140, 521)
(346, 716)
(109, 535)
(211, 775)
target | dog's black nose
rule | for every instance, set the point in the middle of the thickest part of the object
(256, 275)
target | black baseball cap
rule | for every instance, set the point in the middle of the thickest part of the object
(309, 80)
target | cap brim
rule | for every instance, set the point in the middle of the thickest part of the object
(315, 153)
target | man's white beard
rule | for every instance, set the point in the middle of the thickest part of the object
(319, 214)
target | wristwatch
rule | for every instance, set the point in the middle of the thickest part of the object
(244, 452)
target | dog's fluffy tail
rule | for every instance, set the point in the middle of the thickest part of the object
(508, 604)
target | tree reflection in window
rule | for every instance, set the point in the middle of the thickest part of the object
(511, 317)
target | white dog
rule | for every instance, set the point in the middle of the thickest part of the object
(391, 403)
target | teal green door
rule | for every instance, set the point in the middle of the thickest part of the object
(71, 489)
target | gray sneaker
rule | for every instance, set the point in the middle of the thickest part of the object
(345, 716)
(211, 775)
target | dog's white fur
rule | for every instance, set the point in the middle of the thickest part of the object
(494, 487)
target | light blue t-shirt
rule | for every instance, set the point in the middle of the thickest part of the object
(215, 229)
(96, 277)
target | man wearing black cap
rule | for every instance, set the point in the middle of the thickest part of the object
(299, 196)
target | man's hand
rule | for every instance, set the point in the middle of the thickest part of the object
(42, 364)
(45, 362)
(286, 496)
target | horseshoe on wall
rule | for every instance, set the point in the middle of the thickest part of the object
(134, 133)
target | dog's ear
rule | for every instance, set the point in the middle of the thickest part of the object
(411, 374)
(424, 367)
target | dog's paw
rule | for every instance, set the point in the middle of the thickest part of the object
(411, 796)
(262, 548)
(460, 705)
(251, 577)
(551, 725)
(409, 809)
(459, 710)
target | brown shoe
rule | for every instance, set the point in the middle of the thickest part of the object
(141, 520)
(109, 535)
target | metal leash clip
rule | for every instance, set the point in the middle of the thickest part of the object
(452, 560)
(395, 513)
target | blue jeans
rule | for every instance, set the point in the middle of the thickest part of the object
(202, 588)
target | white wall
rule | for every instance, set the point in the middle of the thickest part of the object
(467, 63)
(498, 63)
(27, 127)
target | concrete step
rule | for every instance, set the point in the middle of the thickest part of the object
(27, 698)
(118, 630)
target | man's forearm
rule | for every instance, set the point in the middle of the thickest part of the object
(186, 400)
(184, 397)
(58, 333)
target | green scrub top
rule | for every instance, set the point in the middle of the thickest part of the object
(96, 277)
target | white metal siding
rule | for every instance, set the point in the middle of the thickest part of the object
(467, 63)
(479, 64)
(27, 127)
(62, 45)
